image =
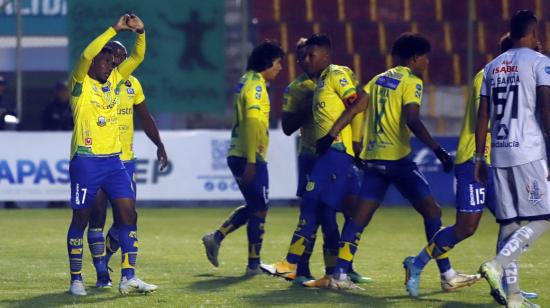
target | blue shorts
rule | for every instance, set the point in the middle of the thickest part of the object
(330, 179)
(471, 196)
(130, 166)
(89, 174)
(403, 173)
(256, 193)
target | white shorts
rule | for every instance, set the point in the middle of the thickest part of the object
(522, 192)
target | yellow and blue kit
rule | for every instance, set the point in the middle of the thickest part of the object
(472, 196)
(96, 143)
(386, 146)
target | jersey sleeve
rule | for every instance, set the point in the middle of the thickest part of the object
(252, 98)
(289, 100)
(412, 91)
(343, 85)
(542, 71)
(138, 92)
(368, 87)
(485, 87)
(83, 65)
(132, 62)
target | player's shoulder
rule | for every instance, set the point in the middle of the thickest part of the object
(338, 70)
(253, 79)
(302, 82)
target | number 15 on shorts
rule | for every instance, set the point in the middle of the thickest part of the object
(477, 194)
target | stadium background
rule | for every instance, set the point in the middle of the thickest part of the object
(195, 54)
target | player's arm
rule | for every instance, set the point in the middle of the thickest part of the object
(138, 53)
(355, 102)
(251, 127)
(292, 121)
(482, 127)
(152, 132)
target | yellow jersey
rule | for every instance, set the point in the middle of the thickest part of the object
(298, 98)
(387, 136)
(131, 94)
(251, 102)
(467, 141)
(94, 105)
(336, 84)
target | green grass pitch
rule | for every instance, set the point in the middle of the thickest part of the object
(34, 266)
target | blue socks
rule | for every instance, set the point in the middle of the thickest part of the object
(255, 232)
(96, 242)
(432, 226)
(129, 245)
(75, 249)
(237, 219)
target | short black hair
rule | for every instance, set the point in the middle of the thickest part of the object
(263, 55)
(506, 42)
(410, 44)
(115, 45)
(106, 49)
(319, 40)
(520, 23)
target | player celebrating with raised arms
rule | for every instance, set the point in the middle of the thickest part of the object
(515, 97)
(329, 180)
(95, 161)
(247, 153)
(131, 99)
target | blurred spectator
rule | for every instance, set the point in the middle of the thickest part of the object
(5, 108)
(57, 115)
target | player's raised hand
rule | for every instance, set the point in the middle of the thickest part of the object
(121, 24)
(135, 23)
(445, 158)
(162, 158)
(323, 144)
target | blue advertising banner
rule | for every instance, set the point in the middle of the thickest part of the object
(40, 18)
(442, 184)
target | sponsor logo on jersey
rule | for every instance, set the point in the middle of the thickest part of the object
(88, 141)
(535, 195)
(343, 82)
(388, 82)
(418, 87)
(101, 121)
(130, 91)
(505, 69)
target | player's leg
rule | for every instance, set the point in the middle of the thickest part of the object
(96, 240)
(238, 218)
(350, 202)
(373, 189)
(119, 189)
(84, 184)
(533, 176)
(305, 166)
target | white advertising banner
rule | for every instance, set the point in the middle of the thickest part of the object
(34, 166)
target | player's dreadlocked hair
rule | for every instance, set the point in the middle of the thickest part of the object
(410, 44)
(520, 24)
(263, 55)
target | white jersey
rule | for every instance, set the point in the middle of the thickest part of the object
(510, 82)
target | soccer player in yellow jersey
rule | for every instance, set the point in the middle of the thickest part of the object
(247, 153)
(95, 162)
(131, 99)
(393, 99)
(329, 180)
(297, 114)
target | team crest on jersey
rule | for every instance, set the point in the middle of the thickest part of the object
(310, 186)
(343, 82)
(130, 91)
(535, 195)
(418, 87)
(88, 141)
(128, 83)
(101, 121)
